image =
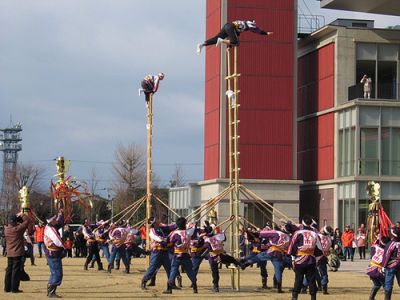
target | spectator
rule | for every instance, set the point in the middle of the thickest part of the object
(29, 247)
(80, 244)
(14, 235)
(347, 241)
(3, 242)
(68, 238)
(39, 232)
(361, 241)
(367, 86)
(337, 238)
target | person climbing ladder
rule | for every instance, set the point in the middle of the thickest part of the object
(150, 85)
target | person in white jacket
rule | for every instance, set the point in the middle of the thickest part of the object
(54, 250)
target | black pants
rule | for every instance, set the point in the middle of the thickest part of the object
(13, 271)
(214, 262)
(361, 251)
(227, 31)
(30, 253)
(69, 252)
(309, 271)
(148, 87)
(214, 270)
(93, 251)
(147, 96)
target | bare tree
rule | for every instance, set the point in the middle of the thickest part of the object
(130, 174)
(93, 184)
(28, 175)
(177, 177)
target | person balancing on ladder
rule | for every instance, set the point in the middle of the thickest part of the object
(230, 32)
(150, 85)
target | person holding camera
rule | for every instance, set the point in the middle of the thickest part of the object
(14, 236)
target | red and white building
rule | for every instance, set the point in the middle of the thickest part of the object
(309, 141)
(267, 113)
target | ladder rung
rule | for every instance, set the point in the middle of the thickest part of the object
(232, 76)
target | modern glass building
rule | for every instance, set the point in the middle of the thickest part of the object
(346, 140)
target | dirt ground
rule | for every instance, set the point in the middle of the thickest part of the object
(93, 284)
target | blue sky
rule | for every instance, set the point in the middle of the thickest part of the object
(70, 70)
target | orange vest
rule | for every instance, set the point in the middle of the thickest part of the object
(39, 234)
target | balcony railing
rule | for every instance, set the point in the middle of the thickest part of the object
(386, 92)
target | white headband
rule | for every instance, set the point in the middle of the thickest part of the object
(392, 231)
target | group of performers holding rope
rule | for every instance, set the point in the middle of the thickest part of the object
(184, 244)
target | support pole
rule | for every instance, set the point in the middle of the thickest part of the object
(234, 169)
(230, 147)
(236, 163)
(148, 177)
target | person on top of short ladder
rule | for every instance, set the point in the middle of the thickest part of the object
(230, 32)
(149, 85)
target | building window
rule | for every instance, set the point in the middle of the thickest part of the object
(347, 213)
(363, 208)
(346, 152)
(347, 206)
(390, 143)
(379, 62)
(369, 155)
(257, 214)
(347, 139)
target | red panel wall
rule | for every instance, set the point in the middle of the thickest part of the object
(212, 93)
(316, 80)
(266, 65)
(316, 134)
(316, 148)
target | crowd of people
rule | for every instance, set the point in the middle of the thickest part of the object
(182, 246)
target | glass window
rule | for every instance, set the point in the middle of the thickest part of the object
(390, 116)
(363, 211)
(341, 154)
(380, 63)
(394, 211)
(341, 205)
(388, 52)
(257, 214)
(352, 154)
(390, 190)
(366, 51)
(385, 152)
(365, 67)
(369, 161)
(387, 77)
(390, 151)
(346, 152)
(369, 116)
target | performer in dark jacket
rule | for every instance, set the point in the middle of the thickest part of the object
(92, 245)
(180, 241)
(159, 253)
(391, 262)
(150, 85)
(230, 32)
(375, 270)
(305, 247)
